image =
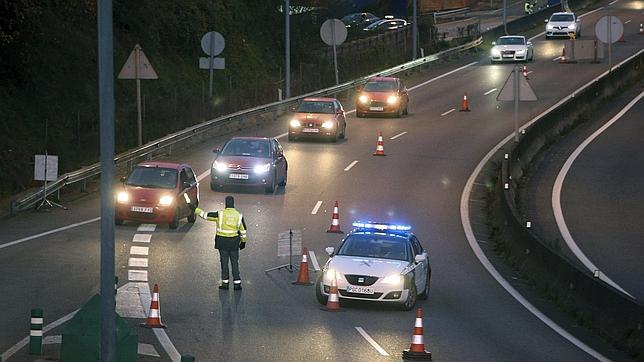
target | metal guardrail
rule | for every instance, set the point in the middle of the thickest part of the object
(81, 175)
(450, 13)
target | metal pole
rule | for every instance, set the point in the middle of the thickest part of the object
(212, 60)
(106, 112)
(505, 17)
(137, 50)
(414, 33)
(610, 43)
(516, 103)
(287, 25)
(335, 56)
(290, 249)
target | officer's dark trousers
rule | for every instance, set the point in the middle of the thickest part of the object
(233, 256)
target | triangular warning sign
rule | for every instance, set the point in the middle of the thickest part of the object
(525, 91)
(144, 69)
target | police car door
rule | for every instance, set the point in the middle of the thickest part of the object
(420, 272)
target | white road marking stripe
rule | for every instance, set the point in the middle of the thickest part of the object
(556, 197)
(281, 135)
(137, 275)
(442, 76)
(372, 342)
(145, 349)
(398, 135)
(628, 21)
(316, 207)
(314, 261)
(448, 112)
(557, 58)
(139, 250)
(528, 73)
(57, 339)
(490, 91)
(203, 175)
(147, 227)
(138, 262)
(612, 2)
(71, 226)
(351, 165)
(142, 238)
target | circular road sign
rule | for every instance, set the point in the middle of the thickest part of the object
(602, 28)
(333, 32)
(218, 43)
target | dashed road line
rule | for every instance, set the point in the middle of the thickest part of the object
(137, 275)
(138, 262)
(351, 165)
(371, 341)
(282, 135)
(528, 73)
(443, 75)
(147, 227)
(314, 260)
(398, 135)
(142, 238)
(139, 250)
(448, 112)
(612, 2)
(490, 91)
(203, 175)
(316, 207)
(71, 226)
(628, 21)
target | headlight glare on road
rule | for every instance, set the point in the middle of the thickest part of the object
(363, 99)
(123, 197)
(219, 166)
(262, 168)
(392, 100)
(295, 123)
(394, 279)
(327, 124)
(166, 200)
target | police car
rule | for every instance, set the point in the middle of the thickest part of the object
(377, 262)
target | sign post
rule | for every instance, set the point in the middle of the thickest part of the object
(516, 88)
(212, 43)
(333, 32)
(609, 29)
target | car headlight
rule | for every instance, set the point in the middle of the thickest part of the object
(550, 27)
(520, 51)
(363, 99)
(166, 200)
(393, 279)
(327, 124)
(262, 168)
(123, 197)
(495, 52)
(571, 26)
(295, 123)
(392, 100)
(219, 166)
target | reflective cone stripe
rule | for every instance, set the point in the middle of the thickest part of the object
(562, 58)
(465, 107)
(417, 348)
(35, 332)
(335, 221)
(380, 149)
(303, 276)
(154, 317)
(333, 303)
(641, 29)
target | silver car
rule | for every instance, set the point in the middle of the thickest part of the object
(563, 24)
(511, 48)
(377, 262)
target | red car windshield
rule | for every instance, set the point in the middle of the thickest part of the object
(252, 148)
(380, 86)
(153, 177)
(315, 107)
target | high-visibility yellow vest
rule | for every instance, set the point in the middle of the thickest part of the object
(229, 224)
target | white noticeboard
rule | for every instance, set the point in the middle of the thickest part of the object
(51, 166)
(283, 243)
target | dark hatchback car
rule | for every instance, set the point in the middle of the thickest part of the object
(157, 192)
(357, 21)
(249, 161)
(385, 25)
(319, 118)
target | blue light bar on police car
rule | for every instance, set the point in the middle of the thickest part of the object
(381, 226)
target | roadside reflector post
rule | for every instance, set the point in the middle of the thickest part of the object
(187, 358)
(528, 224)
(35, 333)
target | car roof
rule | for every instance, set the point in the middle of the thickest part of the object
(248, 138)
(512, 36)
(382, 79)
(163, 164)
(318, 99)
(563, 13)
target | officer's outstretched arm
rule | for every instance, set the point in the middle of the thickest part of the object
(210, 216)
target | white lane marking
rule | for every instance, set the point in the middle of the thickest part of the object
(316, 207)
(203, 175)
(138, 262)
(57, 339)
(442, 76)
(165, 342)
(147, 227)
(314, 261)
(351, 165)
(145, 349)
(15, 242)
(471, 239)
(139, 250)
(142, 238)
(23, 342)
(556, 197)
(281, 135)
(628, 21)
(448, 112)
(372, 342)
(490, 91)
(590, 12)
(137, 275)
(528, 73)
(557, 58)
(612, 2)
(398, 135)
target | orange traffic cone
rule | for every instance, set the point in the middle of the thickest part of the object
(333, 302)
(154, 317)
(417, 350)
(641, 29)
(335, 221)
(562, 58)
(621, 39)
(380, 149)
(525, 71)
(465, 107)
(303, 276)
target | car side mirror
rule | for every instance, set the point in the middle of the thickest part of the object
(545, 21)
(123, 179)
(493, 43)
(216, 150)
(186, 185)
(529, 43)
(420, 257)
(330, 250)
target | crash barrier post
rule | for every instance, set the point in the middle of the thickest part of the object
(35, 333)
(187, 358)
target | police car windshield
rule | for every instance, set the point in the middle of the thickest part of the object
(561, 17)
(380, 86)
(153, 177)
(316, 107)
(511, 41)
(251, 148)
(375, 245)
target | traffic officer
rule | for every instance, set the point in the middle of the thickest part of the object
(229, 239)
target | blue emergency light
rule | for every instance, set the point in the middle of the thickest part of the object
(380, 226)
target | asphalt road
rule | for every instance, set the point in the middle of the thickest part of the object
(468, 316)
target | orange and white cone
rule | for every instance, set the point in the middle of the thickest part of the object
(380, 146)
(333, 301)
(154, 317)
(417, 350)
(335, 221)
(465, 107)
(303, 276)
(525, 71)
(641, 29)
(562, 58)
(621, 39)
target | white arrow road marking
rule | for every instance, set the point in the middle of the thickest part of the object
(398, 135)
(448, 112)
(316, 208)
(351, 165)
(372, 342)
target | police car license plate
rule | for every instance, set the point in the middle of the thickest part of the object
(359, 290)
(239, 176)
(376, 109)
(311, 130)
(141, 209)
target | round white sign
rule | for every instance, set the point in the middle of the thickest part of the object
(333, 32)
(217, 46)
(608, 24)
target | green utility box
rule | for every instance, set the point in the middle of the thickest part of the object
(81, 336)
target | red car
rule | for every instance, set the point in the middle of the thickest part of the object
(382, 95)
(249, 161)
(318, 117)
(158, 192)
